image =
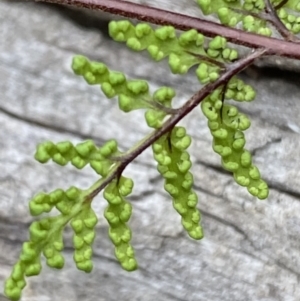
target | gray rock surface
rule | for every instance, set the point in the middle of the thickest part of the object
(251, 248)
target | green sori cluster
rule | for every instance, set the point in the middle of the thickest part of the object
(291, 21)
(230, 13)
(80, 155)
(185, 51)
(117, 214)
(46, 236)
(239, 91)
(155, 116)
(174, 164)
(226, 125)
(291, 4)
(83, 226)
(217, 48)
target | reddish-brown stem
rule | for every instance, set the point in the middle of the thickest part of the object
(193, 102)
(183, 22)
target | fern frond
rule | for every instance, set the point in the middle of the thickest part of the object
(185, 51)
(235, 12)
(174, 165)
(46, 236)
(212, 58)
(83, 225)
(230, 13)
(132, 94)
(117, 214)
(226, 125)
(80, 155)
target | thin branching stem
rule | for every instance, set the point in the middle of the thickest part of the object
(207, 59)
(275, 20)
(157, 16)
(261, 15)
(169, 124)
(157, 105)
(278, 6)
